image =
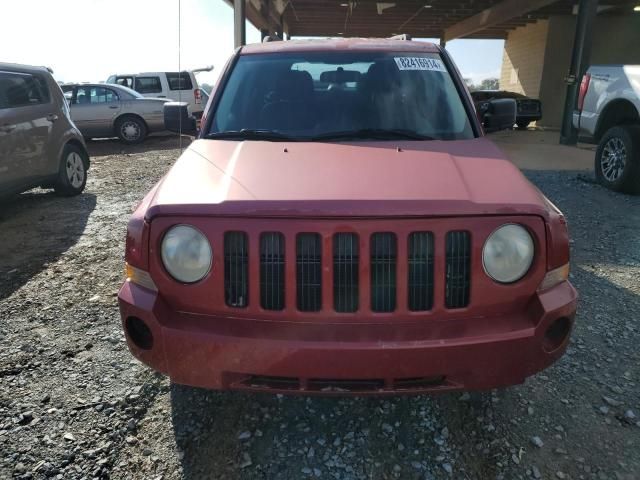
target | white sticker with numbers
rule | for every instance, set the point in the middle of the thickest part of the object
(420, 63)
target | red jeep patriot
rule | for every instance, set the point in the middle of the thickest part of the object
(342, 225)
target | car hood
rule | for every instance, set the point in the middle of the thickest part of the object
(256, 178)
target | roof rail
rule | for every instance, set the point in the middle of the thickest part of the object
(271, 38)
(404, 37)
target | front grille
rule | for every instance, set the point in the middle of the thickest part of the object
(334, 275)
(309, 272)
(272, 271)
(383, 272)
(345, 272)
(236, 269)
(420, 272)
(458, 269)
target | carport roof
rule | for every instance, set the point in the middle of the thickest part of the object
(446, 19)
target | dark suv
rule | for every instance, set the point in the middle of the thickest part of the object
(39, 144)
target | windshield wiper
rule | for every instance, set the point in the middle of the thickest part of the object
(373, 133)
(251, 134)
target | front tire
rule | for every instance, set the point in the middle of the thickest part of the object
(617, 162)
(131, 130)
(72, 175)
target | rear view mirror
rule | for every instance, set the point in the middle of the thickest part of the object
(498, 114)
(178, 119)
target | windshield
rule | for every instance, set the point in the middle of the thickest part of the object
(312, 95)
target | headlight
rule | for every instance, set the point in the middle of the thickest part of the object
(186, 254)
(508, 253)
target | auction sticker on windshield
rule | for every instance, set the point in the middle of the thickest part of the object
(420, 63)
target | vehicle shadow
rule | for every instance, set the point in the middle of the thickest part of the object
(37, 228)
(112, 146)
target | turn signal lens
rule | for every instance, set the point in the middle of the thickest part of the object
(554, 277)
(140, 277)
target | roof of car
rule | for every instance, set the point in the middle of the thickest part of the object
(341, 44)
(90, 84)
(24, 68)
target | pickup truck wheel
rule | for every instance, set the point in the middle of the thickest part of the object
(522, 124)
(618, 159)
(72, 175)
(131, 130)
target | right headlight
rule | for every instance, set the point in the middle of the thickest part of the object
(508, 253)
(186, 253)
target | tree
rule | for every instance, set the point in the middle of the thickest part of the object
(489, 84)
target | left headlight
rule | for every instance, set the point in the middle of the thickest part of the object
(508, 253)
(186, 253)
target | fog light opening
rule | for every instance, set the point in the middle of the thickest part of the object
(556, 334)
(139, 333)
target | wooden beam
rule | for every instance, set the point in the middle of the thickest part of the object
(499, 13)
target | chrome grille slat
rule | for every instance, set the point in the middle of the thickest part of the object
(420, 271)
(272, 271)
(309, 272)
(236, 266)
(458, 269)
(383, 271)
(345, 272)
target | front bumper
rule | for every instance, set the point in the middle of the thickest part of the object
(340, 358)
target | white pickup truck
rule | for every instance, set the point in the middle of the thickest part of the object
(609, 114)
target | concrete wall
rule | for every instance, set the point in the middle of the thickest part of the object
(523, 59)
(616, 40)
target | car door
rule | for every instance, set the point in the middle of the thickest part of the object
(94, 109)
(25, 127)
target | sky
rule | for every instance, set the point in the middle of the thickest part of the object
(89, 40)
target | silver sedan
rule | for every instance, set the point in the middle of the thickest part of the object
(100, 111)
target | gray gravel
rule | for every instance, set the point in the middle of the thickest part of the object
(75, 404)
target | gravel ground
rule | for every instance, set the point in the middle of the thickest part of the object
(75, 404)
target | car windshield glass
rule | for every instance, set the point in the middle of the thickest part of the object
(313, 95)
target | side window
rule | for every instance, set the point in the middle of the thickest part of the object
(44, 88)
(21, 90)
(95, 96)
(124, 81)
(179, 81)
(103, 95)
(148, 85)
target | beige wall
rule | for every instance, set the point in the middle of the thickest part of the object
(523, 59)
(539, 56)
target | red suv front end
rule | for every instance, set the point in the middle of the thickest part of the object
(357, 267)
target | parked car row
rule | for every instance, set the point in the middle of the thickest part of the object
(176, 86)
(100, 110)
(43, 125)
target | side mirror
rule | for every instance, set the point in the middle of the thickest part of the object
(178, 119)
(498, 114)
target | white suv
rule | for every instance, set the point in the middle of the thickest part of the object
(177, 86)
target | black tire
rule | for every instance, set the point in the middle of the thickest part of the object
(131, 129)
(522, 124)
(72, 174)
(617, 163)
